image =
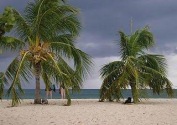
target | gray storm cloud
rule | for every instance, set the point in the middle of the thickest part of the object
(102, 19)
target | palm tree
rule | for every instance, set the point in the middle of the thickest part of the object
(137, 69)
(48, 30)
(7, 21)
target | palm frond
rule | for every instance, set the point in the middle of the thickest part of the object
(52, 68)
(110, 93)
(50, 20)
(76, 79)
(82, 61)
(63, 45)
(46, 79)
(157, 81)
(113, 67)
(11, 43)
(124, 46)
(146, 39)
(115, 78)
(22, 28)
(156, 62)
(18, 70)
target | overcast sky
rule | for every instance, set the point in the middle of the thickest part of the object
(102, 19)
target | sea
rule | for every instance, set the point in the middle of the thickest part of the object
(88, 94)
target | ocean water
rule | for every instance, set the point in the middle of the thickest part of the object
(88, 94)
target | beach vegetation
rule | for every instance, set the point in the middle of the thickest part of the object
(7, 21)
(136, 69)
(44, 38)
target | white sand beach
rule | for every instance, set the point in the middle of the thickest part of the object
(90, 112)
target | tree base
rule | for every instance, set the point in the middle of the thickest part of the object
(68, 102)
(37, 101)
(101, 100)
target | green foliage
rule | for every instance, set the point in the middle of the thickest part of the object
(7, 20)
(137, 69)
(47, 31)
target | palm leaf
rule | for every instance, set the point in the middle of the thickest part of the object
(11, 43)
(157, 62)
(22, 28)
(18, 69)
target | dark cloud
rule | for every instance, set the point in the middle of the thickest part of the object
(102, 19)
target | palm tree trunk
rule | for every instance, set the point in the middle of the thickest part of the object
(118, 93)
(134, 92)
(68, 97)
(37, 68)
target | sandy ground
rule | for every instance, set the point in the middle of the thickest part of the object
(90, 112)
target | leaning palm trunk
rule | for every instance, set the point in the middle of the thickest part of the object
(118, 93)
(37, 68)
(68, 97)
(134, 92)
(1, 84)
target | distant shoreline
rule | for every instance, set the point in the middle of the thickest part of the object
(89, 94)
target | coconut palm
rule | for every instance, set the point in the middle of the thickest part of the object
(137, 69)
(7, 21)
(48, 29)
